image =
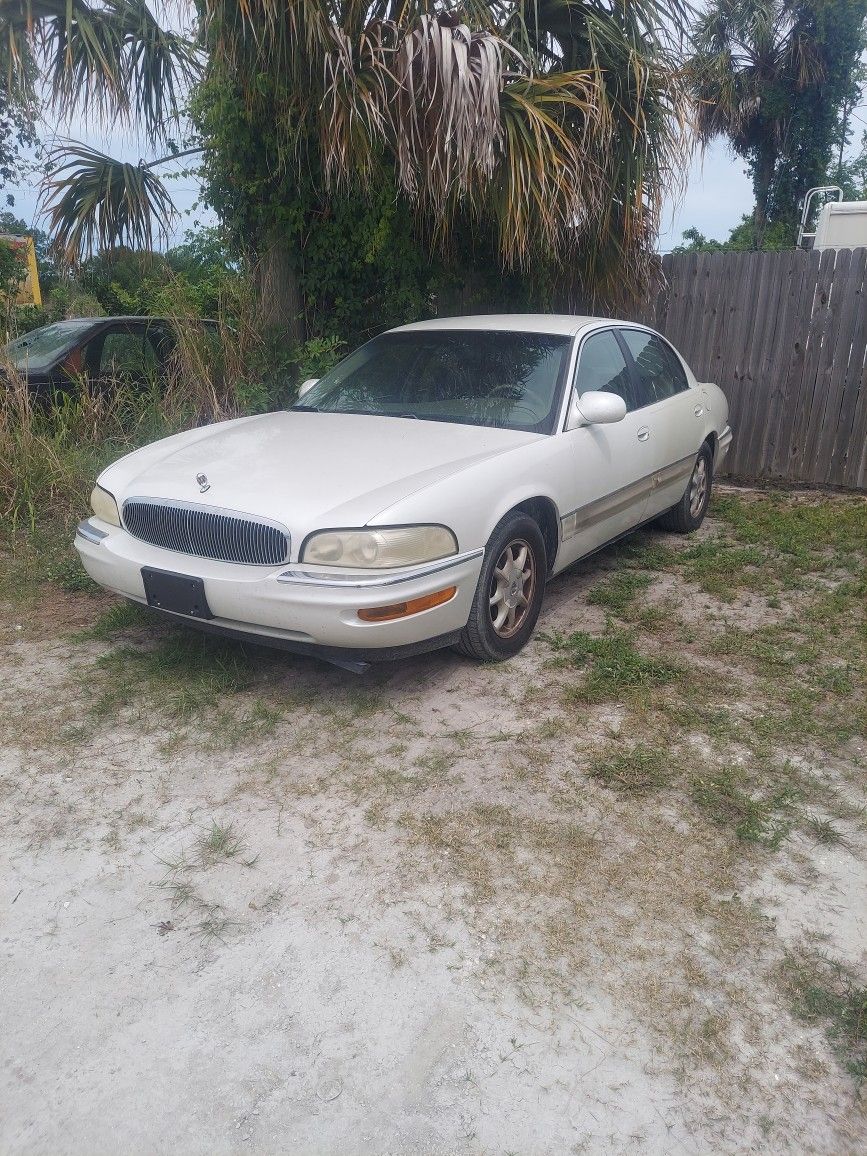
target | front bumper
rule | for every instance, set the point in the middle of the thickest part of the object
(292, 604)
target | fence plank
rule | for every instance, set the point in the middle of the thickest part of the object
(842, 449)
(785, 336)
(846, 301)
(761, 399)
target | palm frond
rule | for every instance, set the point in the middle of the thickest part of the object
(110, 57)
(95, 202)
(550, 190)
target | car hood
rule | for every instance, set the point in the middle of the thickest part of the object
(307, 470)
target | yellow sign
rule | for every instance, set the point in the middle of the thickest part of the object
(29, 293)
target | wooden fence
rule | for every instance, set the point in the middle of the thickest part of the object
(785, 336)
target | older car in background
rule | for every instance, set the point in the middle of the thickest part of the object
(420, 494)
(99, 350)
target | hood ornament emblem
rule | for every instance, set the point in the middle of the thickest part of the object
(204, 484)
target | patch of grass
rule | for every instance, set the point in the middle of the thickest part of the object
(645, 551)
(491, 847)
(824, 832)
(755, 817)
(214, 926)
(825, 992)
(639, 771)
(614, 665)
(803, 531)
(720, 569)
(618, 592)
(123, 616)
(184, 672)
(221, 841)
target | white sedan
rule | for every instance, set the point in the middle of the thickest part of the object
(420, 494)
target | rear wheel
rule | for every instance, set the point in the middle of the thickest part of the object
(689, 512)
(509, 594)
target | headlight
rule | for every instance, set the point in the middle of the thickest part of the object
(379, 549)
(104, 506)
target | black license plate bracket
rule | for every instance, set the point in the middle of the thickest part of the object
(175, 593)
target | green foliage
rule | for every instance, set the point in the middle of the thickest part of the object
(777, 237)
(13, 270)
(198, 274)
(49, 273)
(755, 818)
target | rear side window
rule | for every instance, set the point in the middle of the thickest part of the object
(602, 367)
(660, 374)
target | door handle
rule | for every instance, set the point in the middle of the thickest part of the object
(699, 410)
(644, 433)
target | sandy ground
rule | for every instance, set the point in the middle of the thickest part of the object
(436, 935)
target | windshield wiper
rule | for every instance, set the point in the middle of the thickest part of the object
(306, 408)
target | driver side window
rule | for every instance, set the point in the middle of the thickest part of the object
(602, 367)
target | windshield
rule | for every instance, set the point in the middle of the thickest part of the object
(471, 377)
(40, 349)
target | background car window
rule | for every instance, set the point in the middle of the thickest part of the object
(602, 367)
(660, 374)
(128, 355)
(40, 349)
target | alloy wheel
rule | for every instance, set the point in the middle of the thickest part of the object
(513, 584)
(698, 487)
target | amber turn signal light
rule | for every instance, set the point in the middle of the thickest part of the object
(404, 609)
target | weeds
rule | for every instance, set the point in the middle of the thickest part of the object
(637, 771)
(825, 992)
(614, 665)
(619, 591)
(220, 842)
(754, 818)
(824, 832)
(185, 672)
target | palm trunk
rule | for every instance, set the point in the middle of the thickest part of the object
(763, 176)
(280, 301)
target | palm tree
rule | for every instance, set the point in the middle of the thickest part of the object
(771, 76)
(558, 124)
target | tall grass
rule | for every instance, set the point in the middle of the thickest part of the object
(51, 449)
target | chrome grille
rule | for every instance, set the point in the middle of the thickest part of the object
(205, 532)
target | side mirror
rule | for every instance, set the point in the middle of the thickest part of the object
(598, 408)
(306, 386)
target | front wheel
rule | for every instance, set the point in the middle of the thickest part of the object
(509, 594)
(689, 512)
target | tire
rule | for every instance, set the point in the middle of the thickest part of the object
(689, 512)
(497, 630)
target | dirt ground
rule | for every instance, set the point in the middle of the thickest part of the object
(253, 903)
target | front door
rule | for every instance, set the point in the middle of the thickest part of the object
(611, 466)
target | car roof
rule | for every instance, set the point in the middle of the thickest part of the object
(149, 319)
(565, 324)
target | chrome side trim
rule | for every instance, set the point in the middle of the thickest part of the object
(675, 471)
(594, 512)
(90, 533)
(585, 517)
(297, 577)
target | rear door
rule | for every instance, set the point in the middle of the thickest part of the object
(610, 466)
(669, 414)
